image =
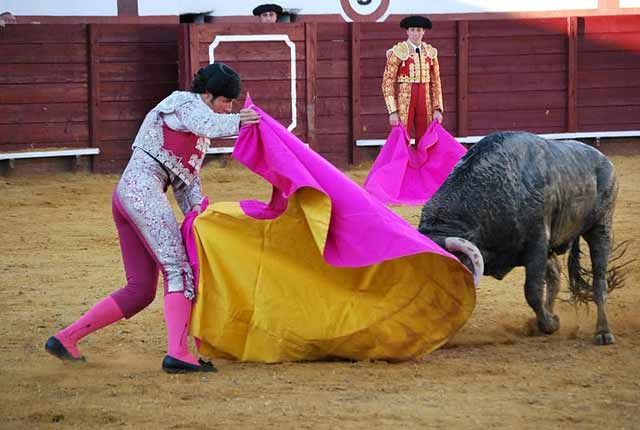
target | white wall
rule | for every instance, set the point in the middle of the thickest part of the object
(304, 7)
(177, 7)
(58, 7)
(464, 6)
(309, 7)
(158, 7)
(630, 3)
(104, 7)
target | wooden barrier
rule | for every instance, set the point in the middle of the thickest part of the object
(82, 86)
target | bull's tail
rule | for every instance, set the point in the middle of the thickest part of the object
(581, 279)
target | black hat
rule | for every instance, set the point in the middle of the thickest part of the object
(217, 79)
(267, 8)
(415, 21)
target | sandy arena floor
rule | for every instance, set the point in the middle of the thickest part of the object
(60, 254)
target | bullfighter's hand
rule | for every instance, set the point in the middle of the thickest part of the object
(437, 115)
(394, 119)
(249, 116)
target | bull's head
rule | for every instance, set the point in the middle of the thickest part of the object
(437, 224)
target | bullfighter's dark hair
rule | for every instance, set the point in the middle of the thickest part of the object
(217, 79)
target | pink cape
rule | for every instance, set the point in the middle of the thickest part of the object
(322, 270)
(402, 175)
(362, 230)
(189, 239)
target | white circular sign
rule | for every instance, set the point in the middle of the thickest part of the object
(365, 7)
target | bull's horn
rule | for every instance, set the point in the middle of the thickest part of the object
(470, 250)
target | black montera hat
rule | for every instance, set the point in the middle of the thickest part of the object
(267, 8)
(415, 21)
(217, 79)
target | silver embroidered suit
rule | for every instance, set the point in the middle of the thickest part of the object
(152, 167)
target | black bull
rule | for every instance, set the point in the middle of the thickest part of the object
(522, 200)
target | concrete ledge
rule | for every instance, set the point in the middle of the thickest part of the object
(52, 153)
(36, 161)
(220, 150)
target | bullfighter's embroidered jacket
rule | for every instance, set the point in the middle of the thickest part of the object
(406, 67)
(176, 133)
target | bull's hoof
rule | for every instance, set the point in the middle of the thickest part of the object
(549, 325)
(604, 338)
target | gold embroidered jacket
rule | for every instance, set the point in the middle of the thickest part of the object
(406, 67)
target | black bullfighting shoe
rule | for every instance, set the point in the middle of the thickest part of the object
(173, 365)
(54, 347)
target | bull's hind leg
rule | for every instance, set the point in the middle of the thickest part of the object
(599, 241)
(536, 270)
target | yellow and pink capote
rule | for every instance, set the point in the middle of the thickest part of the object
(323, 270)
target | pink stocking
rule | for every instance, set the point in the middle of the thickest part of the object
(177, 313)
(103, 313)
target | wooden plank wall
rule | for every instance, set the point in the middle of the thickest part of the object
(541, 75)
(517, 76)
(136, 67)
(609, 73)
(82, 85)
(43, 87)
(265, 68)
(322, 51)
(333, 104)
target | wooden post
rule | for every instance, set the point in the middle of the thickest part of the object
(93, 84)
(356, 122)
(194, 51)
(311, 60)
(463, 78)
(572, 74)
(184, 58)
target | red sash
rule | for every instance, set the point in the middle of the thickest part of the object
(182, 145)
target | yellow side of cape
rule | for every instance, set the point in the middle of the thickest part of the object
(266, 294)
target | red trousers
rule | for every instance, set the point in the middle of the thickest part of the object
(418, 115)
